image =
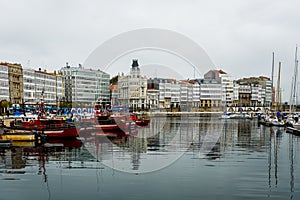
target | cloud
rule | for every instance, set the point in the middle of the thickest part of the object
(239, 36)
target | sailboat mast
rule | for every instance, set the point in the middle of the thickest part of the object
(278, 89)
(296, 76)
(293, 98)
(272, 83)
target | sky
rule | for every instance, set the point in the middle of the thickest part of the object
(239, 36)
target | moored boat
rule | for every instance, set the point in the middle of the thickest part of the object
(18, 136)
(293, 130)
(236, 116)
(5, 143)
(110, 123)
(60, 132)
(141, 119)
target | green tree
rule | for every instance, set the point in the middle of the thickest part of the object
(114, 80)
(4, 104)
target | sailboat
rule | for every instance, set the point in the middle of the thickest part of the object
(276, 119)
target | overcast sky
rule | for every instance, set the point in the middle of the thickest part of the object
(238, 35)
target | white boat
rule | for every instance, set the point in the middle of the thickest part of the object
(236, 116)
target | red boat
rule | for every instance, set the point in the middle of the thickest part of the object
(112, 123)
(43, 123)
(46, 127)
(140, 119)
(61, 132)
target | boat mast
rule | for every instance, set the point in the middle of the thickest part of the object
(272, 83)
(278, 89)
(293, 98)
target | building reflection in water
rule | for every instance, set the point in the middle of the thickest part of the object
(166, 139)
(244, 134)
(201, 136)
(24, 154)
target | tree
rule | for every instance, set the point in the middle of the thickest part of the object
(4, 104)
(114, 80)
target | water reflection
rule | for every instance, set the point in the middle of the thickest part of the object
(242, 160)
(156, 146)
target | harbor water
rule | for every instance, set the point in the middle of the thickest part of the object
(175, 157)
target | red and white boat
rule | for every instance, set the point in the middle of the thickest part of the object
(61, 133)
(44, 127)
(140, 119)
(111, 123)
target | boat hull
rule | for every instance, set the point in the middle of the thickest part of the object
(18, 137)
(142, 122)
(61, 133)
(292, 130)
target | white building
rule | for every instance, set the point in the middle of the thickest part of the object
(189, 95)
(236, 87)
(153, 94)
(185, 95)
(152, 98)
(4, 83)
(181, 95)
(196, 94)
(227, 89)
(41, 85)
(210, 94)
(133, 89)
(86, 86)
(261, 91)
(227, 85)
(169, 93)
(175, 94)
(268, 91)
(256, 95)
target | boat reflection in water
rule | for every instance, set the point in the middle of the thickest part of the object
(235, 156)
(25, 151)
(155, 146)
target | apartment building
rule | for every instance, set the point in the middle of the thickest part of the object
(4, 82)
(40, 85)
(85, 87)
(133, 89)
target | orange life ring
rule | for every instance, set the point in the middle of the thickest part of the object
(31, 122)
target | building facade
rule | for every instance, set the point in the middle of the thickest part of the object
(42, 86)
(210, 95)
(4, 82)
(261, 91)
(85, 87)
(169, 94)
(227, 83)
(227, 86)
(189, 95)
(153, 94)
(15, 77)
(133, 89)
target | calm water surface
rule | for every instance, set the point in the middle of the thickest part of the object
(173, 158)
